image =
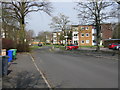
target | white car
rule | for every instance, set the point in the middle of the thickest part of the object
(117, 47)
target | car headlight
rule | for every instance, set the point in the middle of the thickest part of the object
(117, 47)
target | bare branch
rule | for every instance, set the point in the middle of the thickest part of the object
(59, 23)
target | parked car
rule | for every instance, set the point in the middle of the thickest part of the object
(71, 47)
(117, 47)
(111, 46)
(39, 44)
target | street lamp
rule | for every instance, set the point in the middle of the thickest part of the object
(66, 38)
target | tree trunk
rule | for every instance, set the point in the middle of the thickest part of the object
(22, 34)
(98, 37)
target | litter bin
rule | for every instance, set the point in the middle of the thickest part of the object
(14, 53)
(10, 54)
(4, 65)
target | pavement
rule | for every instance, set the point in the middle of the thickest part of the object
(106, 54)
(22, 73)
(93, 48)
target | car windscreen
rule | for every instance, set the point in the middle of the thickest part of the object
(71, 45)
(115, 44)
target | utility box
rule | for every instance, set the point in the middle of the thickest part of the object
(4, 65)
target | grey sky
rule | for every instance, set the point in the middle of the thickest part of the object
(38, 21)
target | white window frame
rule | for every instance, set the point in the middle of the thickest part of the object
(81, 34)
(83, 42)
(82, 28)
(58, 33)
(75, 37)
(86, 34)
(86, 28)
(87, 41)
(75, 34)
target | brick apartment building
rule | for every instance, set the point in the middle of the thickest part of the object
(87, 35)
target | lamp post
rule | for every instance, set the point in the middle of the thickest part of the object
(66, 39)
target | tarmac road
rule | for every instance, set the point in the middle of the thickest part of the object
(76, 71)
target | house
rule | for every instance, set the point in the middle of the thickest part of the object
(86, 35)
(106, 31)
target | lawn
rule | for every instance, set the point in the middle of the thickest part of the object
(34, 47)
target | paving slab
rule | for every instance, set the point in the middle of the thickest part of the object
(23, 74)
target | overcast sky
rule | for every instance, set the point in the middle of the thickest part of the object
(38, 21)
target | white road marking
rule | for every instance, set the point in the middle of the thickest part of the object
(49, 86)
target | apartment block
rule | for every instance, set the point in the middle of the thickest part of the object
(56, 37)
(87, 35)
(75, 34)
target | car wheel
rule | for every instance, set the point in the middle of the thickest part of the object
(72, 48)
(119, 49)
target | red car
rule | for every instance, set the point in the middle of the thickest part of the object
(111, 46)
(71, 47)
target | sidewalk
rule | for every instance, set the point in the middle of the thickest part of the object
(23, 74)
(102, 49)
(103, 53)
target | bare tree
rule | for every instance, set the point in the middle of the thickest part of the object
(30, 35)
(8, 23)
(59, 22)
(43, 36)
(19, 10)
(95, 12)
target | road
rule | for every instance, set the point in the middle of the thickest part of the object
(76, 71)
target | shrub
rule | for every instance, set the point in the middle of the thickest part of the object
(23, 48)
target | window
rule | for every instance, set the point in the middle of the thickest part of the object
(82, 41)
(75, 42)
(94, 41)
(87, 28)
(54, 34)
(58, 33)
(87, 34)
(87, 41)
(75, 34)
(82, 34)
(82, 28)
(93, 27)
